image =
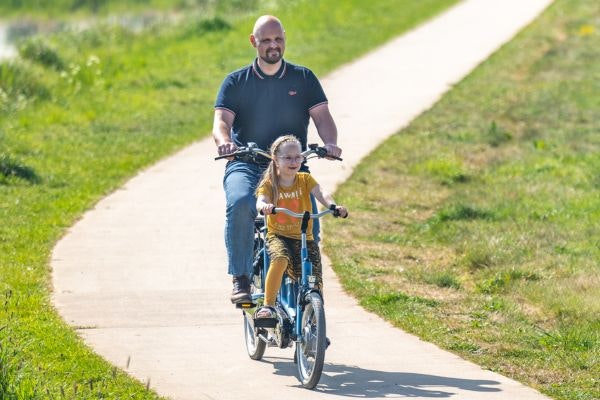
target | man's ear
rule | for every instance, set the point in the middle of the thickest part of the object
(253, 40)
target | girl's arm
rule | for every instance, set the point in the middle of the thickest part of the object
(264, 205)
(326, 199)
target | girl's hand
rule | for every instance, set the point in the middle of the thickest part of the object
(267, 209)
(342, 211)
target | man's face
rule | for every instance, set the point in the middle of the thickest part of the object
(269, 41)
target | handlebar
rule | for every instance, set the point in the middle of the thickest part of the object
(331, 210)
(319, 151)
(250, 152)
(300, 215)
(306, 216)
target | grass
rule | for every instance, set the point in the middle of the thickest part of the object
(64, 8)
(80, 113)
(490, 203)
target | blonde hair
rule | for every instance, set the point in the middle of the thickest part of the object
(270, 176)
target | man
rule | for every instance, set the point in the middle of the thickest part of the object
(259, 103)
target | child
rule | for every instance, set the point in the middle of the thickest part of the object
(291, 189)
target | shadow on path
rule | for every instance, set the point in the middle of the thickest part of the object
(352, 381)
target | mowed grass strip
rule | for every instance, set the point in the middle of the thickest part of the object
(82, 112)
(478, 226)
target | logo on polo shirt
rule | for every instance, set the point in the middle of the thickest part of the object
(292, 92)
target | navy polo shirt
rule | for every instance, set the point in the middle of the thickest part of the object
(269, 106)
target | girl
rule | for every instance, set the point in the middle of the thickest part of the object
(282, 185)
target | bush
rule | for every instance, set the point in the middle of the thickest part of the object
(12, 168)
(37, 51)
(17, 86)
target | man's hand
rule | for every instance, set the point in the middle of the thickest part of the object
(333, 150)
(226, 148)
(222, 132)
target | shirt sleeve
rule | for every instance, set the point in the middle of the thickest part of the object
(265, 190)
(227, 97)
(316, 94)
(310, 182)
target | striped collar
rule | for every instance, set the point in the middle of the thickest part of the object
(261, 75)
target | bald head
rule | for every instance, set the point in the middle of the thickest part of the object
(266, 22)
(268, 37)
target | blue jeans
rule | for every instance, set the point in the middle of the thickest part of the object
(240, 183)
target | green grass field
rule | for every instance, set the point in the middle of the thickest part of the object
(80, 113)
(85, 8)
(478, 227)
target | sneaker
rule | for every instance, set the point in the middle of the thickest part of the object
(265, 317)
(265, 312)
(241, 290)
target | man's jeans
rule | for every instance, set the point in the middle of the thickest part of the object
(240, 183)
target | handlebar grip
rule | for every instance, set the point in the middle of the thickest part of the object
(322, 152)
(333, 207)
(272, 212)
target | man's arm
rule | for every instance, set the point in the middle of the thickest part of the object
(222, 131)
(326, 128)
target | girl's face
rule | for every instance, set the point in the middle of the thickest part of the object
(288, 158)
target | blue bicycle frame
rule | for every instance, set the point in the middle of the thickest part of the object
(291, 294)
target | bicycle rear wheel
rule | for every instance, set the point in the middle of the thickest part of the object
(310, 353)
(254, 345)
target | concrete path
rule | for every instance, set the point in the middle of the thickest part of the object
(142, 276)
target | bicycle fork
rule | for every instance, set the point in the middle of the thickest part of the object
(308, 279)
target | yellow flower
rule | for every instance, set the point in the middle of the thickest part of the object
(586, 30)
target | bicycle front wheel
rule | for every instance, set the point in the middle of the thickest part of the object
(310, 352)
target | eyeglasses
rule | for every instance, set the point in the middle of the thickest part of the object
(289, 159)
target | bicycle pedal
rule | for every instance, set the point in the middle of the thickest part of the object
(265, 322)
(245, 306)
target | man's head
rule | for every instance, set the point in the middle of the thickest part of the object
(268, 37)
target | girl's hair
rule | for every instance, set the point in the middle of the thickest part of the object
(270, 175)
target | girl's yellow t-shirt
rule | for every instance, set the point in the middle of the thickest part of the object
(295, 198)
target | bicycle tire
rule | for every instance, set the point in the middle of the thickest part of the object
(310, 353)
(254, 345)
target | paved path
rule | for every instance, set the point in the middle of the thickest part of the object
(142, 276)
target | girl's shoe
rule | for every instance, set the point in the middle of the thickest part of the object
(265, 312)
(265, 317)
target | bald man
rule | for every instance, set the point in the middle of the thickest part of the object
(258, 103)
